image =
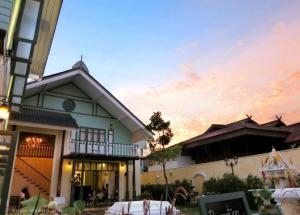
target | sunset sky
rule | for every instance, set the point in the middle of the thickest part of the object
(197, 61)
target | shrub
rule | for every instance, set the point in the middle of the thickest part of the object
(156, 191)
(230, 183)
(253, 182)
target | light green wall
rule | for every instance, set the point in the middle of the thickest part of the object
(54, 98)
(87, 112)
(56, 103)
(71, 90)
(31, 101)
(122, 134)
(142, 144)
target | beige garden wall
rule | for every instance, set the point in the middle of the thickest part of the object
(246, 165)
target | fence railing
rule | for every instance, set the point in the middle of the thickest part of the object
(44, 151)
(106, 149)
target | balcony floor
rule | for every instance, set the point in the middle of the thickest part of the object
(99, 157)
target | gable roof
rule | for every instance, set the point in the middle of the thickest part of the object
(242, 127)
(275, 123)
(95, 91)
(214, 127)
(295, 133)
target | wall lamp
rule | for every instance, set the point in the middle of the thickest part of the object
(231, 163)
(4, 109)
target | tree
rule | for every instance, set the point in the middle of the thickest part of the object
(163, 134)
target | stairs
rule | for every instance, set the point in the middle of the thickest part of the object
(31, 184)
(26, 175)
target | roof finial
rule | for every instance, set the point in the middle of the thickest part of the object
(249, 117)
(81, 61)
(278, 117)
(80, 65)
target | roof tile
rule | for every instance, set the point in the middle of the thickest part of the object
(44, 117)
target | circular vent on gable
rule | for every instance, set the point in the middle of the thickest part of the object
(69, 105)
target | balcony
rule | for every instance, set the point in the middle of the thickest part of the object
(104, 149)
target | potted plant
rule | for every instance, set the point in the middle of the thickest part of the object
(263, 198)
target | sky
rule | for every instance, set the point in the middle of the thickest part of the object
(199, 62)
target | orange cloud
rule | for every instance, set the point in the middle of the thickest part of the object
(261, 79)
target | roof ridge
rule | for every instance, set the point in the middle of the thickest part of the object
(245, 120)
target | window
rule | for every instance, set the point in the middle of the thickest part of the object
(92, 134)
(82, 134)
(110, 136)
(102, 136)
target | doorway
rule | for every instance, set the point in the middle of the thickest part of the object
(95, 179)
(33, 164)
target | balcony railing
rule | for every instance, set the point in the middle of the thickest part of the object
(43, 151)
(105, 149)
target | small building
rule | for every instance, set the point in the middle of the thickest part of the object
(241, 138)
(204, 156)
(75, 139)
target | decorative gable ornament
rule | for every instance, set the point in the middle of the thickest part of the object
(277, 171)
(79, 76)
(80, 65)
(69, 105)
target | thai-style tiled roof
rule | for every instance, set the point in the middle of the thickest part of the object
(44, 117)
(295, 133)
(214, 127)
(275, 123)
(247, 126)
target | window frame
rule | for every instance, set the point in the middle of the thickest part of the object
(113, 135)
(93, 131)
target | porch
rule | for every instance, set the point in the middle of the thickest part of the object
(101, 182)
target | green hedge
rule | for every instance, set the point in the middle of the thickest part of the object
(226, 184)
(230, 183)
(155, 191)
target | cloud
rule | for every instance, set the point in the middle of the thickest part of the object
(262, 80)
(187, 47)
(240, 43)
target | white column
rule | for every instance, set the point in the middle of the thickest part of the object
(56, 164)
(122, 184)
(138, 177)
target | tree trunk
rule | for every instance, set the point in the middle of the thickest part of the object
(166, 180)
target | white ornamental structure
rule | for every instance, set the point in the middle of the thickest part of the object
(275, 169)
